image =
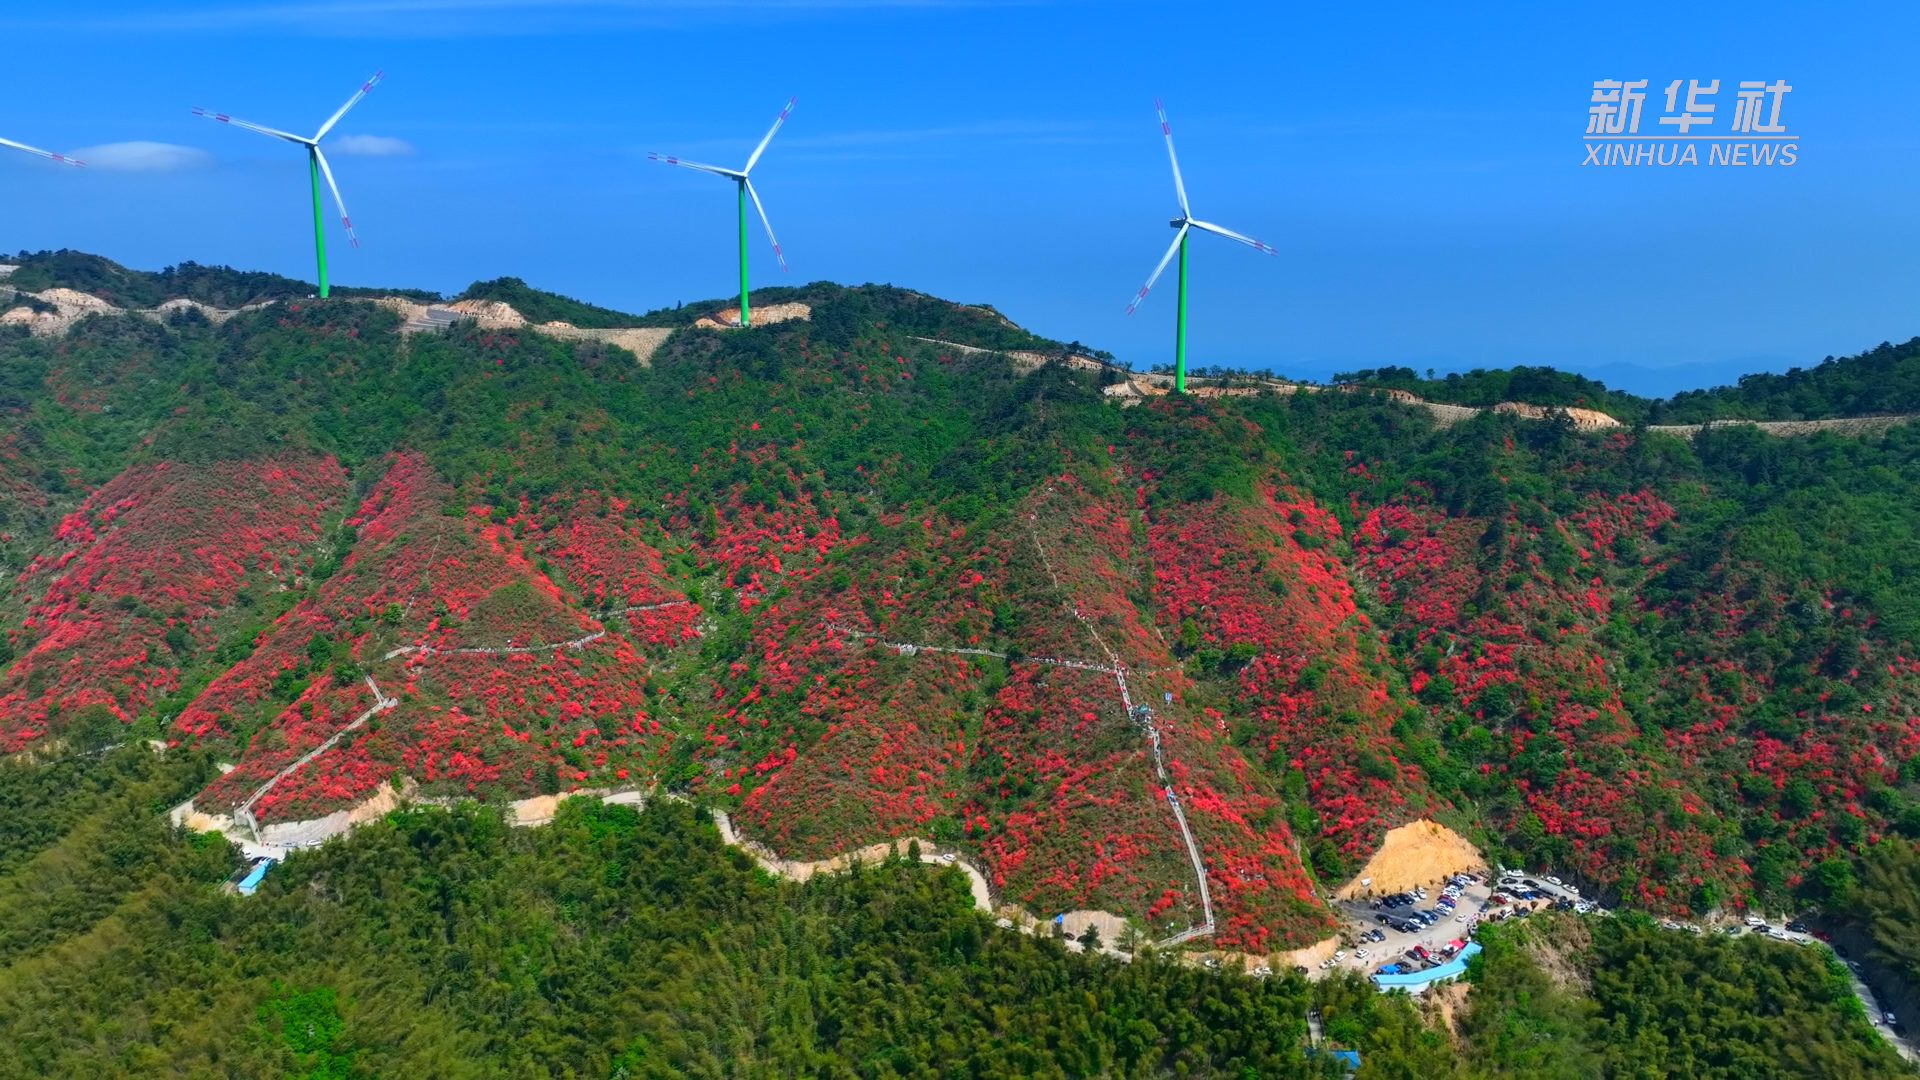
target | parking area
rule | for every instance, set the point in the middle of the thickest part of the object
(1409, 932)
(1400, 934)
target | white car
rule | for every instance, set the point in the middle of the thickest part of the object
(1340, 954)
(1359, 954)
(1553, 881)
(1459, 918)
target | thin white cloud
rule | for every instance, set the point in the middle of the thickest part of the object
(372, 146)
(143, 157)
(444, 18)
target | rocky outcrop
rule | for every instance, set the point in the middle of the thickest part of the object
(765, 315)
(641, 341)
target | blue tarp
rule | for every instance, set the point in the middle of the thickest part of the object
(252, 880)
(1452, 968)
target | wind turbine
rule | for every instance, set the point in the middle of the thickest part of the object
(746, 191)
(316, 168)
(48, 154)
(1185, 222)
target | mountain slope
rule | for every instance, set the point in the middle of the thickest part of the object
(848, 581)
(615, 942)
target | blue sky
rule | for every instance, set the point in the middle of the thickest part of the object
(1418, 169)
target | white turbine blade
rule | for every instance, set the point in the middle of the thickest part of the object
(685, 164)
(763, 220)
(351, 102)
(1179, 186)
(1256, 245)
(1158, 270)
(237, 122)
(337, 201)
(48, 154)
(762, 148)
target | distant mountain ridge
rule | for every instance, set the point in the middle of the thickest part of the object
(1884, 380)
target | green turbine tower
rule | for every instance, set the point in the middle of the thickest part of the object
(1185, 223)
(745, 191)
(316, 168)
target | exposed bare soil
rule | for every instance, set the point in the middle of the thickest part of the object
(1418, 853)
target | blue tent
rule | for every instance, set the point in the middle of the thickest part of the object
(1349, 1058)
(252, 881)
(1451, 969)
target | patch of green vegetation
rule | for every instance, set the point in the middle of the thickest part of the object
(214, 286)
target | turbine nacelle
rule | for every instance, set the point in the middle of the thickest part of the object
(313, 149)
(1186, 221)
(739, 177)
